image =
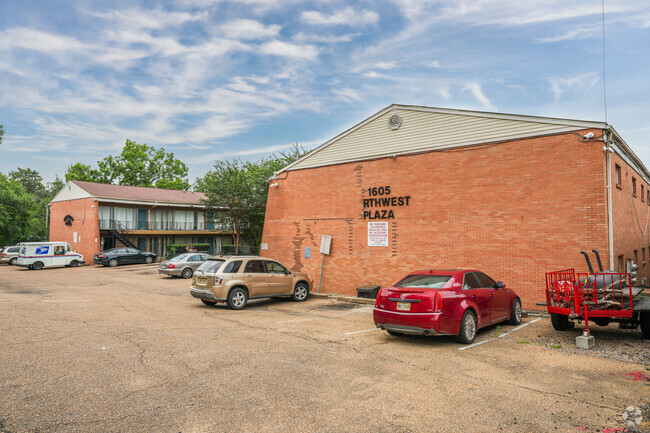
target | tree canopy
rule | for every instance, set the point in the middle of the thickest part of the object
(136, 165)
(236, 192)
(16, 210)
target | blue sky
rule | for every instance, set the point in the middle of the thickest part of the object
(219, 79)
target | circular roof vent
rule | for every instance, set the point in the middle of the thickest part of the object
(394, 121)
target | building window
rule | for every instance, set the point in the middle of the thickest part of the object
(617, 168)
(636, 256)
(621, 264)
(633, 186)
(642, 193)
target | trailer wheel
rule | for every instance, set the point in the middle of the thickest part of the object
(645, 324)
(561, 322)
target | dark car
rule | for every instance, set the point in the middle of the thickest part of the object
(445, 302)
(123, 256)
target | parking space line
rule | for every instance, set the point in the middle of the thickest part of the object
(500, 336)
(48, 301)
(301, 320)
(359, 332)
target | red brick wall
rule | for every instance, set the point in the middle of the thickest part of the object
(85, 224)
(631, 219)
(514, 210)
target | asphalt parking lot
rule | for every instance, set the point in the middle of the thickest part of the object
(125, 350)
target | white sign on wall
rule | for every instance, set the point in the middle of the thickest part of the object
(325, 243)
(378, 234)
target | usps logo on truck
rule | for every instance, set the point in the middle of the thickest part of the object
(41, 251)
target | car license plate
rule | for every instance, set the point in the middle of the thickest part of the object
(404, 306)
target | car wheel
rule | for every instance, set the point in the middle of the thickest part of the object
(148, 259)
(13, 261)
(37, 266)
(300, 293)
(209, 303)
(396, 334)
(467, 332)
(112, 263)
(515, 312)
(237, 298)
(561, 322)
(74, 264)
(187, 273)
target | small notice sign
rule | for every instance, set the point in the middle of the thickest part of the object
(325, 243)
(378, 234)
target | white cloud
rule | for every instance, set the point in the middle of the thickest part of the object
(37, 40)
(347, 16)
(249, 29)
(287, 49)
(149, 18)
(475, 89)
(327, 39)
(583, 32)
(348, 95)
(432, 64)
(580, 83)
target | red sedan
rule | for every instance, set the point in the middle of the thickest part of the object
(445, 302)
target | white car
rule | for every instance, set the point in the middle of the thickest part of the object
(39, 255)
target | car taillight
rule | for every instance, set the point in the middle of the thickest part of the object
(378, 299)
(101, 256)
(217, 280)
(438, 306)
(171, 266)
(3, 254)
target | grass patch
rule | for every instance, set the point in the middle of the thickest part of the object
(497, 332)
(556, 346)
(523, 342)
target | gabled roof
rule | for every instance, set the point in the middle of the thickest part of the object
(75, 189)
(424, 129)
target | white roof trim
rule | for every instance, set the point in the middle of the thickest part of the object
(147, 203)
(70, 191)
(564, 125)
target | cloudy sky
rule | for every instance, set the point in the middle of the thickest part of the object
(222, 79)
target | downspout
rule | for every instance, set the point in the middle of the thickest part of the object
(610, 212)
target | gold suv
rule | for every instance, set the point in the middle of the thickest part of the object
(235, 280)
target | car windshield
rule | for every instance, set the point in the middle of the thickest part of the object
(424, 281)
(211, 266)
(178, 258)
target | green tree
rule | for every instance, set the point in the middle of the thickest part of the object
(2, 133)
(227, 190)
(16, 211)
(236, 192)
(30, 179)
(136, 165)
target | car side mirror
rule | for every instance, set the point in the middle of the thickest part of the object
(500, 285)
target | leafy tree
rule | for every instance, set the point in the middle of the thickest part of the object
(237, 192)
(30, 179)
(137, 165)
(16, 211)
(2, 133)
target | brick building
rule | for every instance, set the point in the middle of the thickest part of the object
(423, 188)
(93, 217)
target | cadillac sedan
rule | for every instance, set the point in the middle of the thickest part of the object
(183, 265)
(445, 302)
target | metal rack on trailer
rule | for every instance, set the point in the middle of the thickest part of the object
(602, 297)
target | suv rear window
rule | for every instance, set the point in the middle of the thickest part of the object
(232, 267)
(425, 281)
(211, 266)
(13, 250)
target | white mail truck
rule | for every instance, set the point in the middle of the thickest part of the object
(39, 255)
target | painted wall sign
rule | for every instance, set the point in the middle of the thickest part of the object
(307, 252)
(377, 234)
(380, 198)
(325, 243)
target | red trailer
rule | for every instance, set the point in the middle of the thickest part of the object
(602, 297)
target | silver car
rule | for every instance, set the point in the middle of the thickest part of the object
(183, 265)
(9, 254)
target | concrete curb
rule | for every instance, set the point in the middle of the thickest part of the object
(343, 298)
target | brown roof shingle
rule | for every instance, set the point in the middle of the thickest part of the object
(125, 192)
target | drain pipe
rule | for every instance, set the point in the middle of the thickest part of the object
(610, 213)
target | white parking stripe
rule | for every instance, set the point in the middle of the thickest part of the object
(502, 335)
(48, 301)
(359, 332)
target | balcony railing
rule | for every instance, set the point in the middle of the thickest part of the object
(105, 224)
